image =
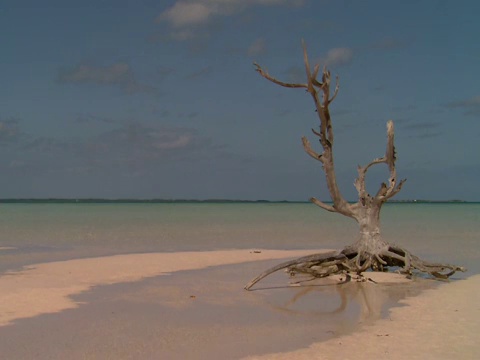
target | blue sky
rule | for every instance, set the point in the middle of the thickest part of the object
(159, 99)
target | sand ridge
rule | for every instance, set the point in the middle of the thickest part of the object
(48, 287)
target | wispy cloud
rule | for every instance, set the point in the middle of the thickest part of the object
(139, 140)
(338, 57)
(200, 73)
(9, 131)
(184, 16)
(127, 145)
(404, 108)
(184, 13)
(428, 135)
(117, 75)
(471, 105)
(258, 47)
(295, 74)
(49, 145)
(335, 57)
(88, 118)
(422, 130)
(164, 72)
(421, 126)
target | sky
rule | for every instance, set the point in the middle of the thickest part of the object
(159, 99)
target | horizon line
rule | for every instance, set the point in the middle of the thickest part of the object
(181, 200)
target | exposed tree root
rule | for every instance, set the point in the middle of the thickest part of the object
(351, 260)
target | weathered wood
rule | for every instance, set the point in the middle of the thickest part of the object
(313, 259)
(370, 251)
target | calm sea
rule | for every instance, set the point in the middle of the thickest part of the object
(32, 233)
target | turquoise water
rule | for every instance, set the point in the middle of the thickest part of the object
(45, 232)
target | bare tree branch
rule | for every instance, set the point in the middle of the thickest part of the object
(320, 92)
(316, 132)
(323, 205)
(337, 87)
(309, 150)
(272, 79)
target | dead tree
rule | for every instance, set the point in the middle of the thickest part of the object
(370, 251)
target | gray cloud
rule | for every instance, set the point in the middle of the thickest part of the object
(471, 105)
(117, 75)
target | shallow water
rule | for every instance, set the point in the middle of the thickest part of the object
(46, 232)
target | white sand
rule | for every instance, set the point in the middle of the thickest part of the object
(47, 288)
(442, 323)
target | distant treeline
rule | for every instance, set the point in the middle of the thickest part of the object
(142, 201)
(171, 201)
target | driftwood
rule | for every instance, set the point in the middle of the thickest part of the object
(370, 251)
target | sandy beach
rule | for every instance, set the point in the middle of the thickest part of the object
(123, 307)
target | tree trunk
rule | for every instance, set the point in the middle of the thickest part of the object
(370, 240)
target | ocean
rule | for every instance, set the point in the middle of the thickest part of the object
(41, 232)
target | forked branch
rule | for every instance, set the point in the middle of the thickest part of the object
(322, 97)
(386, 191)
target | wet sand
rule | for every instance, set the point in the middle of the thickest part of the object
(124, 307)
(439, 324)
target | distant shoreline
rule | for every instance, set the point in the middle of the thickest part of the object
(194, 201)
